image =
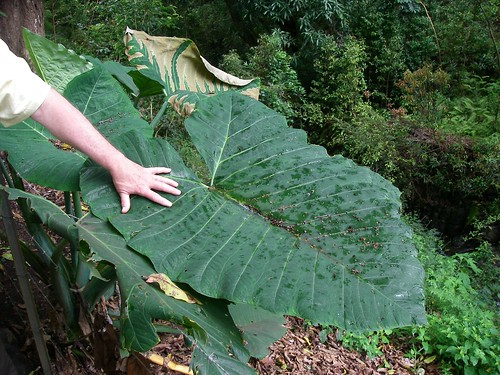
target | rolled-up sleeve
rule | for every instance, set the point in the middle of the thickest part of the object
(21, 91)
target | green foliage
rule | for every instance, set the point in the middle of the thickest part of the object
(398, 35)
(448, 165)
(336, 94)
(209, 25)
(280, 87)
(302, 18)
(96, 27)
(462, 328)
(375, 139)
(233, 63)
(422, 89)
(278, 223)
(475, 110)
(429, 166)
(467, 35)
(396, 38)
(367, 343)
(339, 86)
(486, 273)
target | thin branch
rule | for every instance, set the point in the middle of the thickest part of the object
(433, 29)
(492, 36)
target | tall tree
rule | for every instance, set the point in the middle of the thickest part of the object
(16, 14)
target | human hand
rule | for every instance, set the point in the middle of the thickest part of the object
(133, 179)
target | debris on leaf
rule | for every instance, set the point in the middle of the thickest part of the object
(169, 287)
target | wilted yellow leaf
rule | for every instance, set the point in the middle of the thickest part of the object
(169, 288)
(181, 65)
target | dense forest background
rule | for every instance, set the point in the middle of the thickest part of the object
(408, 88)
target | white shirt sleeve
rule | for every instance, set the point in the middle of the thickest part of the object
(21, 90)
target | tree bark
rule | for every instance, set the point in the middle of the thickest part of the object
(14, 16)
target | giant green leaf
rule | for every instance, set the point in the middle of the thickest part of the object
(55, 64)
(176, 64)
(31, 148)
(280, 224)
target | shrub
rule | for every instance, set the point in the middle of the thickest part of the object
(339, 86)
(337, 93)
(422, 91)
(375, 138)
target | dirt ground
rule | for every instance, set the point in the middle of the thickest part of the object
(299, 351)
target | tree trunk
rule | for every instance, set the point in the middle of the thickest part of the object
(16, 14)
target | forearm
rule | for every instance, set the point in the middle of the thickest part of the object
(69, 125)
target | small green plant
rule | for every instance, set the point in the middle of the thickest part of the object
(462, 328)
(484, 261)
(368, 343)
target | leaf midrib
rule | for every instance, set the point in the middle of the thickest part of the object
(226, 139)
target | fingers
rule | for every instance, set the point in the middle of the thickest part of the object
(159, 170)
(125, 202)
(145, 182)
(151, 195)
(157, 198)
(165, 185)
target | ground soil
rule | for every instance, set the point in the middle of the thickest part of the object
(300, 351)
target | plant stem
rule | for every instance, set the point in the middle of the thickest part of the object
(159, 115)
(6, 174)
(22, 275)
(77, 204)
